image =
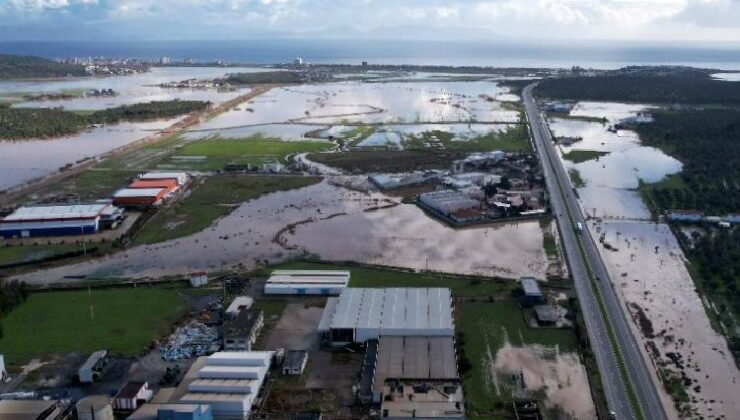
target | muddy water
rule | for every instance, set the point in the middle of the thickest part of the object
(371, 102)
(649, 270)
(559, 375)
(336, 226)
(23, 161)
(611, 179)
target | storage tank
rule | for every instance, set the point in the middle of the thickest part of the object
(95, 407)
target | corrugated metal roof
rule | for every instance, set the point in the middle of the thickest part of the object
(415, 358)
(93, 359)
(328, 314)
(139, 192)
(78, 211)
(331, 277)
(530, 286)
(395, 311)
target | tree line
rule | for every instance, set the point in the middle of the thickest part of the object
(24, 67)
(28, 123)
(12, 294)
(671, 89)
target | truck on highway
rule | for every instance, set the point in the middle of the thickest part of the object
(579, 227)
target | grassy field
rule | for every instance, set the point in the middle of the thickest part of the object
(254, 150)
(211, 200)
(578, 156)
(366, 161)
(121, 320)
(14, 254)
(378, 277)
(515, 139)
(485, 328)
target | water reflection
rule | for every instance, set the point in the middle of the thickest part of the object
(333, 222)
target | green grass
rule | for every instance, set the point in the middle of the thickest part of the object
(213, 199)
(14, 254)
(254, 150)
(578, 156)
(563, 116)
(485, 328)
(379, 277)
(549, 244)
(575, 178)
(514, 139)
(124, 321)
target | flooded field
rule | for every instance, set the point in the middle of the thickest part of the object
(559, 376)
(649, 273)
(730, 77)
(372, 103)
(141, 87)
(23, 161)
(611, 180)
(333, 222)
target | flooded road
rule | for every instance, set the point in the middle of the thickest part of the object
(333, 222)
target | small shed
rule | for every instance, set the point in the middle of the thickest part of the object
(93, 366)
(532, 292)
(132, 395)
(546, 314)
(3, 372)
(295, 362)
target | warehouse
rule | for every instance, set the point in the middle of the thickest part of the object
(180, 177)
(447, 201)
(144, 197)
(227, 381)
(132, 395)
(364, 314)
(417, 377)
(78, 219)
(307, 282)
(29, 410)
(168, 184)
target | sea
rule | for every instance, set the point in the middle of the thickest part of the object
(498, 53)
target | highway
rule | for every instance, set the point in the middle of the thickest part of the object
(593, 287)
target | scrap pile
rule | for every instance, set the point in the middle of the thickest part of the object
(193, 340)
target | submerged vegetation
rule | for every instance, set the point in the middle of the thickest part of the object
(27, 123)
(579, 156)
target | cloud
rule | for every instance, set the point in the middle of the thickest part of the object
(626, 19)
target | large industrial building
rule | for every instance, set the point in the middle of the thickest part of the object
(180, 177)
(362, 314)
(226, 381)
(139, 197)
(78, 219)
(417, 377)
(447, 201)
(307, 282)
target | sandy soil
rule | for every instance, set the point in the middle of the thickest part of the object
(559, 375)
(649, 273)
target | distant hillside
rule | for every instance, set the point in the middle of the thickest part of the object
(25, 67)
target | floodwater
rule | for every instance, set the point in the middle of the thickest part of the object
(26, 160)
(141, 87)
(23, 161)
(649, 270)
(730, 77)
(611, 180)
(561, 376)
(372, 103)
(331, 221)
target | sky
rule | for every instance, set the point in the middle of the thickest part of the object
(711, 21)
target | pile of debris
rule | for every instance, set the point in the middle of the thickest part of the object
(193, 340)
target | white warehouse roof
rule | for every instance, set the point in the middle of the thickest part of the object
(334, 277)
(78, 211)
(138, 192)
(394, 312)
(181, 177)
